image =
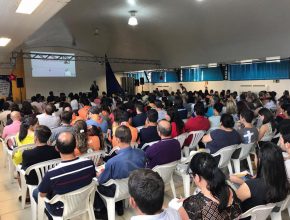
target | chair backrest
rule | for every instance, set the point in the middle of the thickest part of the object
(76, 202)
(139, 128)
(225, 155)
(42, 168)
(284, 204)
(94, 156)
(144, 147)
(181, 138)
(245, 150)
(196, 137)
(166, 170)
(10, 141)
(260, 212)
(122, 190)
(23, 148)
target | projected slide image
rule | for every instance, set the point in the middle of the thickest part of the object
(53, 68)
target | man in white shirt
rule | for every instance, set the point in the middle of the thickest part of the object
(4, 113)
(47, 118)
(146, 190)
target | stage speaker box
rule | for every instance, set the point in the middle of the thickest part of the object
(142, 81)
(224, 71)
(19, 83)
(136, 82)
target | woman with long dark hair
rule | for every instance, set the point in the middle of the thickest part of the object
(270, 185)
(176, 123)
(268, 128)
(26, 132)
(26, 108)
(80, 131)
(216, 200)
(95, 138)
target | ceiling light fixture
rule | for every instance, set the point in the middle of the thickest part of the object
(4, 41)
(28, 6)
(273, 59)
(212, 65)
(133, 20)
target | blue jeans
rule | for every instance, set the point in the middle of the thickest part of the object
(55, 209)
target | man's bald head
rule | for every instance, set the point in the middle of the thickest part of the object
(66, 143)
(15, 116)
(164, 128)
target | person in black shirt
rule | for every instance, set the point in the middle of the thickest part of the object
(140, 118)
(149, 133)
(42, 152)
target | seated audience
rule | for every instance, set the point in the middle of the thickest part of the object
(65, 118)
(176, 123)
(231, 108)
(149, 132)
(160, 110)
(120, 166)
(167, 150)
(58, 180)
(178, 104)
(47, 118)
(215, 199)
(42, 152)
(6, 111)
(83, 112)
(199, 122)
(94, 118)
(224, 136)
(268, 128)
(80, 132)
(146, 190)
(215, 120)
(95, 138)
(26, 108)
(13, 128)
(140, 118)
(285, 145)
(271, 178)
(248, 132)
(26, 132)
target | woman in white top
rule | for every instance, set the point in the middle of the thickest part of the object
(268, 128)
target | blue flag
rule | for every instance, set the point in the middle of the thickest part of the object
(113, 85)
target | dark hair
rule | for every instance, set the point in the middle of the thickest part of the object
(174, 116)
(14, 107)
(205, 165)
(218, 107)
(66, 117)
(122, 116)
(66, 146)
(80, 132)
(42, 133)
(139, 106)
(95, 110)
(165, 131)
(178, 102)
(152, 115)
(49, 109)
(271, 169)
(268, 117)
(6, 106)
(158, 104)
(227, 120)
(26, 123)
(97, 131)
(147, 189)
(285, 132)
(199, 108)
(124, 134)
(248, 115)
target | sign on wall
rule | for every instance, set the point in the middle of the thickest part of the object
(5, 86)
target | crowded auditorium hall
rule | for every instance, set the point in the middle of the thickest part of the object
(144, 110)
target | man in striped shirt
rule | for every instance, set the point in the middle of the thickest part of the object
(71, 174)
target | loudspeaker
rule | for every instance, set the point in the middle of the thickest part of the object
(224, 71)
(19, 83)
(136, 82)
(142, 80)
(178, 74)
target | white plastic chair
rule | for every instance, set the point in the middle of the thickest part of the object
(145, 146)
(244, 154)
(166, 173)
(196, 137)
(121, 193)
(260, 212)
(139, 128)
(282, 205)
(75, 203)
(94, 156)
(5, 152)
(40, 169)
(225, 157)
(181, 138)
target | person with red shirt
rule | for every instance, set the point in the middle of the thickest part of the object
(177, 124)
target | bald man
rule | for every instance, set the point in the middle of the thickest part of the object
(13, 128)
(166, 150)
(71, 174)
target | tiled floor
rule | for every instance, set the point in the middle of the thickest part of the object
(10, 208)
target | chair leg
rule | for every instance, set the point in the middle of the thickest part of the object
(237, 165)
(276, 215)
(173, 187)
(250, 165)
(111, 209)
(288, 211)
(186, 185)
(23, 194)
(230, 168)
(186, 151)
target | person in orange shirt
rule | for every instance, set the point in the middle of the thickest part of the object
(122, 118)
(83, 112)
(95, 138)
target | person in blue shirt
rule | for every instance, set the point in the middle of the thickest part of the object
(120, 166)
(96, 120)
